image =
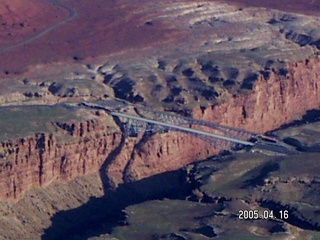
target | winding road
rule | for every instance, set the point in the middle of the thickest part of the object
(72, 14)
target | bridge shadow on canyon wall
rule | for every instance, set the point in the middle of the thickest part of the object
(99, 215)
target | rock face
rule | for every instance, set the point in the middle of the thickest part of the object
(244, 67)
(33, 212)
(274, 100)
(156, 154)
(41, 159)
(281, 190)
(44, 158)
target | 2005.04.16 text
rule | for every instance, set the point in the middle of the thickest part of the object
(265, 214)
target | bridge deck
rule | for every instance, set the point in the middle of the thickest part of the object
(208, 131)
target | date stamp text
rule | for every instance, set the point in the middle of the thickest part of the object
(265, 214)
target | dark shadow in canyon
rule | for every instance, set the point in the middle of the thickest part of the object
(294, 216)
(99, 215)
(107, 183)
(309, 117)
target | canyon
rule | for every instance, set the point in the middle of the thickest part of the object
(64, 167)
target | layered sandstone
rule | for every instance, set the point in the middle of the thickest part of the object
(272, 102)
(267, 68)
(157, 154)
(73, 150)
(244, 67)
(41, 159)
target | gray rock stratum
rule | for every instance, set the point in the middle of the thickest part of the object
(247, 67)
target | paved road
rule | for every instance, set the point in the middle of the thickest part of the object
(198, 122)
(72, 14)
(172, 126)
(273, 147)
(261, 144)
(185, 129)
(277, 147)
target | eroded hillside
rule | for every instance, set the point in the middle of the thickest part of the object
(249, 67)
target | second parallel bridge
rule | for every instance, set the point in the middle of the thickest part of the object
(185, 129)
(264, 143)
(181, 128)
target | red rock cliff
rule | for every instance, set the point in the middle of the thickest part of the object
(43, 158)
(273, 102)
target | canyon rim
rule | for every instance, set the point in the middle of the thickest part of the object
(69, 171)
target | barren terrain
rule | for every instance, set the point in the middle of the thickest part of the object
(67, 171)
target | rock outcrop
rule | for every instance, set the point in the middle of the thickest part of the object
(39, 160)
(274, 100)
(252, 68)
